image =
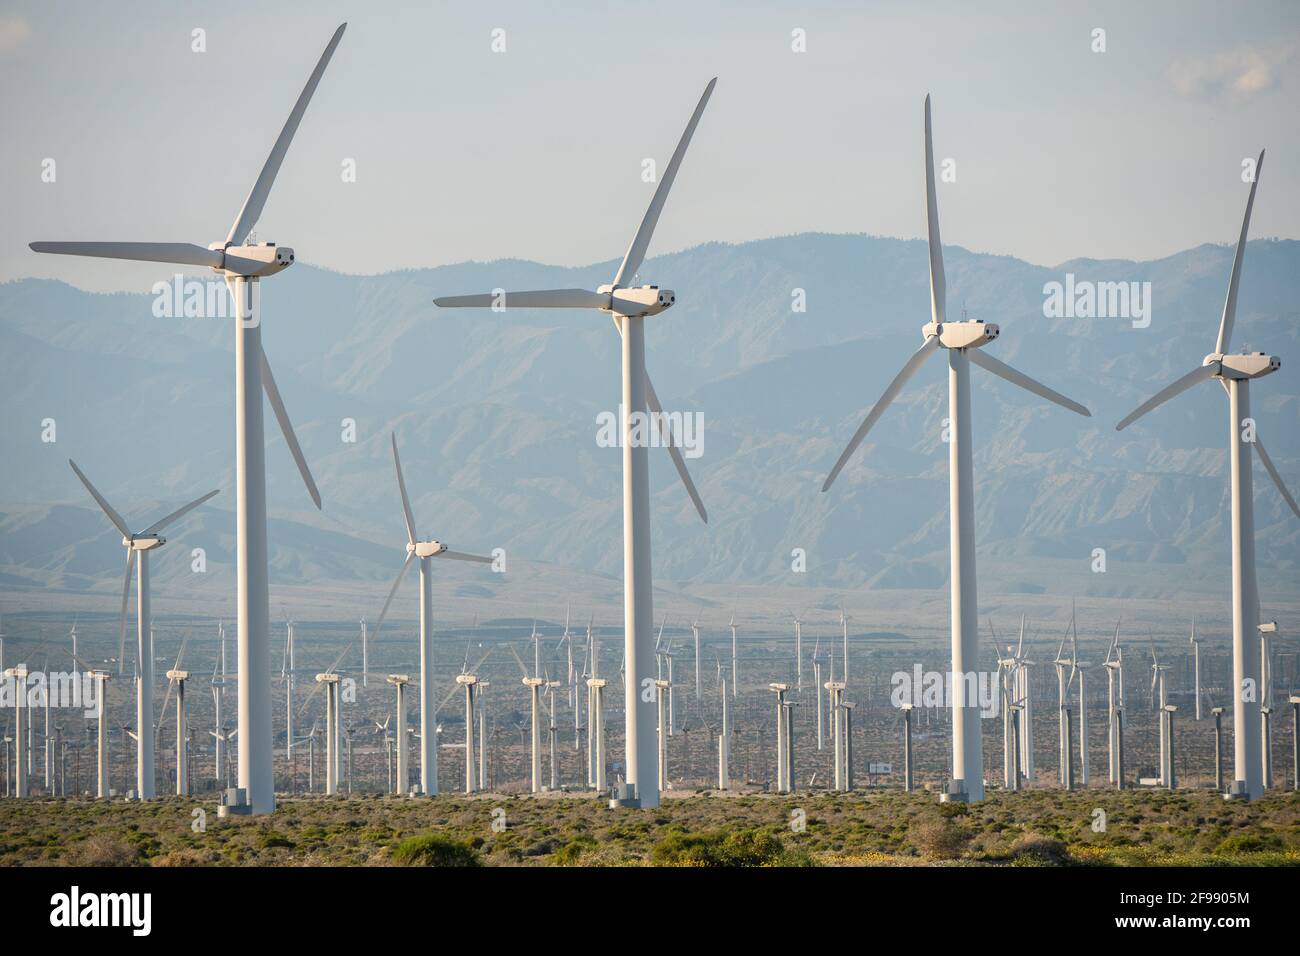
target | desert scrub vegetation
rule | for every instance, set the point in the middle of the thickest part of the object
(866, 828)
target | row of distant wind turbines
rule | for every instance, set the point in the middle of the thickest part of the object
(243, 265)
(834, 717)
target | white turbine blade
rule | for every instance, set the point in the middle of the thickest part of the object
(181, 253)
(536, 299)
(1230, 303)
(678, 461)
(462, 556)
(252, 208)
(401, 486)
(406, 565)
(1003, 370)
(104, 506)
(126, 595)
(1277, 479)
(641, 242)
(286, 429)
(1169, 391)
(909, 369)
(164, 522)
(938, 286)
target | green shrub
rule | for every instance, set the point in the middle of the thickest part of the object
(430, 849)
(724, 848)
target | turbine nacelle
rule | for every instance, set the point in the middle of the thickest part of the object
(255, 261)
(425, 549)
(638, 301)
(969, 334)
(144, 542)
(1245, 365)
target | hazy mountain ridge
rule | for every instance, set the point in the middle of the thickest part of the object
(496, 416)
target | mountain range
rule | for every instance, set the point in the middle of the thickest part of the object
(496, 414)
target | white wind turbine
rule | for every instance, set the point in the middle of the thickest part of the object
(1235, 373)
(426, 551)
(629, 307)
(218, 705)
(243, 266)
(1159, 701)
(963, 341)
(139, 544)
(1115, 710)
(176, 679)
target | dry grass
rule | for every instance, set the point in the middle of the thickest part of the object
(1034, 828)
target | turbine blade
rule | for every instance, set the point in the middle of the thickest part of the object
(121, 628)
(909, 369)
(1169, 391)
(181, 253)
(1277, 479)
(641, 241)
(286, 429)
(678, 461)
(252, 208)
(536, 299)
(938, 287)
(104, 506)
(401, 486)
(164, 522)
(406, 565)
(1230, 303)
(462, 556)
(1003, 370)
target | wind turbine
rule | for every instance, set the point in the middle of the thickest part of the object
(468, 681)
(1266, 630)
(1115, 711)
(330, 680)
(963, 341)
(629, 307)
(426, 551)
(399, 682)
(243, 266)
(218, 705)
(1235, 373)
(381, 728)
(101, 678)
(140, 544)
(1159, 702)
(176, 679)
(18, 674)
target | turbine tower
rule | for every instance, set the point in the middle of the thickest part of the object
(101, 679)
(243, 265)
(468, 681)
(331, 682)
(963, 341)
(18, 674)
(399, 682)
(426, 551)
(139, 545)
(629, 307)
(1235, 373)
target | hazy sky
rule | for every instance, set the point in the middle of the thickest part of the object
(463, 153)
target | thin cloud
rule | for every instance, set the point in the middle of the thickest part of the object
(14, 32)
(1235, 74)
